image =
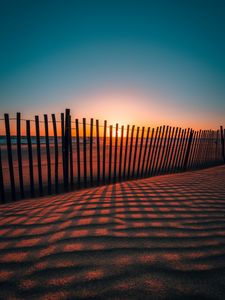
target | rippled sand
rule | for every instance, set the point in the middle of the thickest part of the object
(157, 238)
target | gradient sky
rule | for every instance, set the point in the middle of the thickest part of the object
(138, 62)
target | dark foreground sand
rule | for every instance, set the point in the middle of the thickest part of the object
(158, 238)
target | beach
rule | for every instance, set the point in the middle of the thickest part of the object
(154, 238)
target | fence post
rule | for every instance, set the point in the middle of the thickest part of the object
(30, 156)
(84, 152)
(150, 152)
(135, 152)
(71, 152)
(98, 151)
(115, 153)
(222, 143)
(188, 150)
(145, 151)
(56, 153)
(63, 144)
(66, 148)
(121, 152)
(104, 152)
(125, 154)
(78, 152)
(167, 141)
(10, 158)
(48, 154)
(19, 154)
(38, 155)
(140, 152)
(91, 151)
(131, 149)
(110, 153)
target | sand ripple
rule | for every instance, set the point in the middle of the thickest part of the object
(158, 238)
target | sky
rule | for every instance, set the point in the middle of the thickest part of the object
(133, 62)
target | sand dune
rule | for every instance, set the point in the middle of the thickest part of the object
(157, 238)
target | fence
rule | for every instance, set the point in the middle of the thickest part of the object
(50, 156)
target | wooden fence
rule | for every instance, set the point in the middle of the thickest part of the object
(52, 156)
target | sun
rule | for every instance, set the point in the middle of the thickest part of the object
(118, 132)
(114, 132)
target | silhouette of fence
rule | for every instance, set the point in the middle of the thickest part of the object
(52, 156)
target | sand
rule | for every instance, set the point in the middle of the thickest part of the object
(156, 238)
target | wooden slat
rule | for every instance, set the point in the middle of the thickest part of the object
(10, 158)
(167, 143)
(71, 153)
(216, 144)
(144, 161)
(205, 148)
(115, 153)
(84, 152)
(181, 152)
(167, 160)
(38, 144)
(98, 152)
(171, 156)
(209, 148)
(135, 152)
(175, 151)
(159, 151)
(195, 134)
(156, 149)
(213, 159)
(56, 153)
(210, 151)
(66, 147)
(121, 152)
(197, 156)
(131, 150)
(184, 148)
(48, 155)
(178, 150)
(104, 153)
(2, 187)
(201, 148)
(140, 152)
(91, 151)
(125, 154)
(78, 153)
(150, 152)
(188, 149)
(30, 156)
(164, 149)
(63, 146)
(110, 152)
(19, 154)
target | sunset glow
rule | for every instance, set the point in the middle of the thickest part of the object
(112, 149)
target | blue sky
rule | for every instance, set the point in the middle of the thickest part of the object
(143, 62)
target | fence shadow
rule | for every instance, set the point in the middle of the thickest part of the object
(146, 238)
